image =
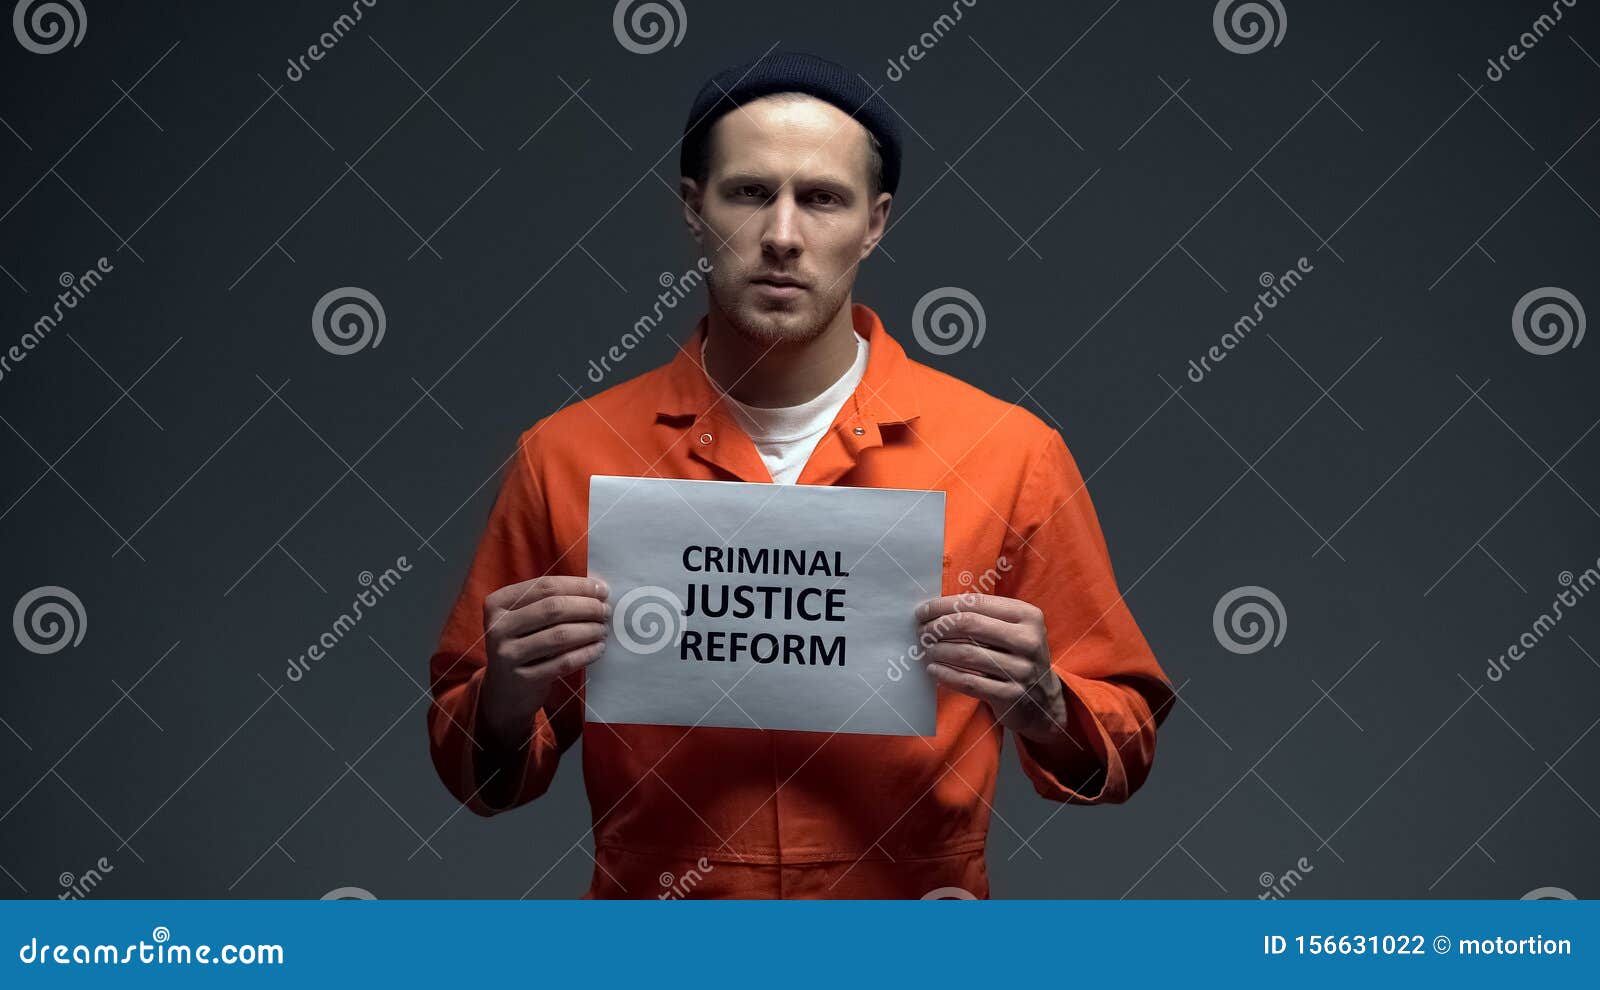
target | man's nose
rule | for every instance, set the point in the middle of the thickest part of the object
(781, 236)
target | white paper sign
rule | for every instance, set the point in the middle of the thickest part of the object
(763, 606)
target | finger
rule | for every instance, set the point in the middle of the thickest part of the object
(979, 660)
(547, 612)
(1009, 609)
(552, 642)
(1023, 639)
(514, 596)
(563, 664)
(1001, 694)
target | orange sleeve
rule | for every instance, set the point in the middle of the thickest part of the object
(516, 545)
(1117, 693)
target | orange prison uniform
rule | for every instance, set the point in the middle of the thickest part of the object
(748, 813)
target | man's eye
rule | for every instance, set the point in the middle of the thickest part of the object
(825, 199)
(755, 192)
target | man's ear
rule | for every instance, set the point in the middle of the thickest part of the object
(693, 199)
(877, 223)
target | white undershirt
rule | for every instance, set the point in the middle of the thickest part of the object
(785, 436)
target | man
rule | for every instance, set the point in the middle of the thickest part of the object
(789, 166)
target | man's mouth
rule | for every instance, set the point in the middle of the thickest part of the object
(778, 285)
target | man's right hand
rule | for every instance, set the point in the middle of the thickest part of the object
(535, 631)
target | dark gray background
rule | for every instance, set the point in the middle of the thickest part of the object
(1453, 472)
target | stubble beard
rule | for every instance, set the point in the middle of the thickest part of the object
(776, 328)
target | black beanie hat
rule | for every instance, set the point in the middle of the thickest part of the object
(792, 72)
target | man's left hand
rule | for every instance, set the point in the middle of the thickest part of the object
(996, 650)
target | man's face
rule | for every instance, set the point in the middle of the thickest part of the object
(785, 215)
